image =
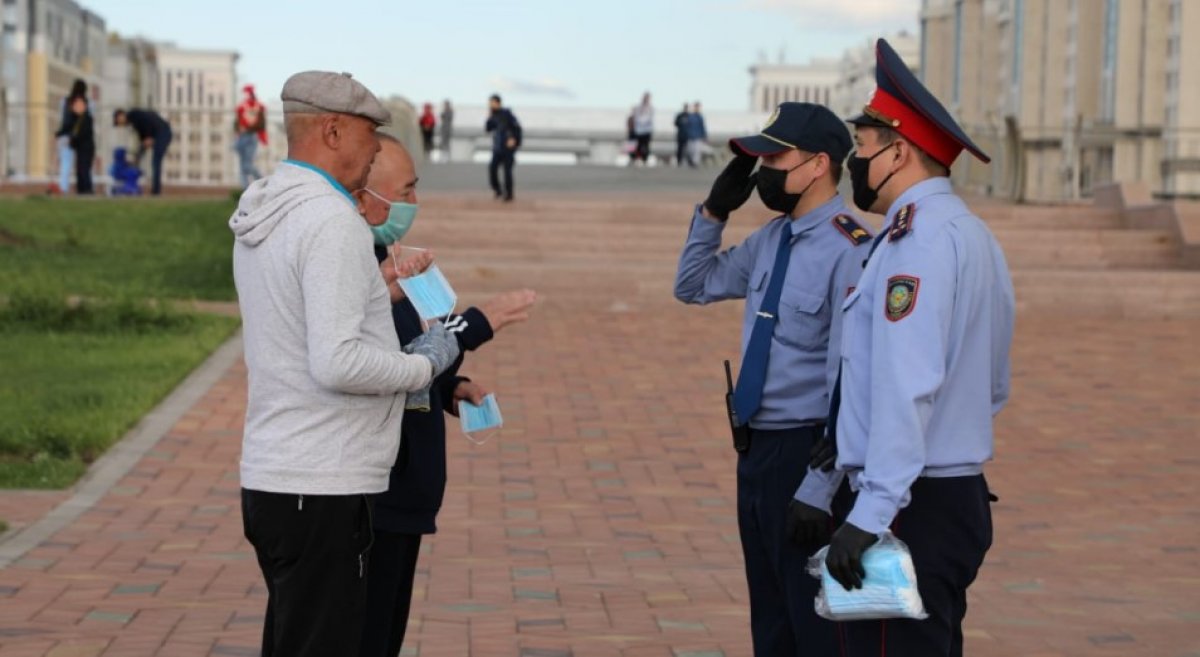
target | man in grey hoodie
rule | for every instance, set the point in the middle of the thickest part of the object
(327, 377)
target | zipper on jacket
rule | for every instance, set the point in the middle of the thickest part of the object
(300, 504)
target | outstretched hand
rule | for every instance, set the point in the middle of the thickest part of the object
(508, 308)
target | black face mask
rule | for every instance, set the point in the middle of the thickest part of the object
(859, 167)
(770, 185)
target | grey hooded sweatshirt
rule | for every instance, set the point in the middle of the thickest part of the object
(327, 378)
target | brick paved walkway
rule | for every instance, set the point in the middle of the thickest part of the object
(602, 521)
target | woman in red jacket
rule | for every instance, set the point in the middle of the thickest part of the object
(427, 122)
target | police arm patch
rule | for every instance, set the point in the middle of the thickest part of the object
(901, 297)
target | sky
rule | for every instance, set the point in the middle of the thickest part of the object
(546, 53)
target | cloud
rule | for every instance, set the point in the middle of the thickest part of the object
(544, 87)
(857, 15)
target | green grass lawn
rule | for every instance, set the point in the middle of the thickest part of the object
(108, 247)
(86, 345)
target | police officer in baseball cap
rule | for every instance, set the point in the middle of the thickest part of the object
(793, 273)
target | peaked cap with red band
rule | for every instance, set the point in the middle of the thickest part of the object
(903, 104)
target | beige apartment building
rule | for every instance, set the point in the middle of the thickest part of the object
(856, 72)
(198, 96)
(1069, 94)
(772, 84)
(45, 46)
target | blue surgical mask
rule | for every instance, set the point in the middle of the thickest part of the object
(479, 421)
(400, 219)
(430, 293)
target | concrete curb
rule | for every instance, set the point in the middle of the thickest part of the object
(121, 457)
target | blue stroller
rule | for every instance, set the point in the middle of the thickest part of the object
(124, 175)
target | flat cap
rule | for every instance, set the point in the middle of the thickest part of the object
(325, 92)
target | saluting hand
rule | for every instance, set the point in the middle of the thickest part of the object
(844, 559)
(732, 187)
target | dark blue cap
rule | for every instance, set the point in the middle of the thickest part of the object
(903, 104)
(808, 127)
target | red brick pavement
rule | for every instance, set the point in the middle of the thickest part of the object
(601, 522)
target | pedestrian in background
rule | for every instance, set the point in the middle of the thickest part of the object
(506, 139)
(427, 123)
(698, 146)
(154, 136)
(643, 128)
(66, 154)
(251, 128)
(447, 128)
(82, 135)
(682, 130)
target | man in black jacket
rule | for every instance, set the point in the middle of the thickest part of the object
(506, 139)
(417, 482)
(154, 135)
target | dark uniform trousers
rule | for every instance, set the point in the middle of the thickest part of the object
(782, 620)
(948, 528)
(313, 551)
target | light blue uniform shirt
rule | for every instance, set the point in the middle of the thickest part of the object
(921, 379)
(825, 264)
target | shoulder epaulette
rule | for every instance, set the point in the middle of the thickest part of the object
(851, 229)
(902, 222)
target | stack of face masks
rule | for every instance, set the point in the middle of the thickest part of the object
(430, 293)
(888, 591)
(480, 422)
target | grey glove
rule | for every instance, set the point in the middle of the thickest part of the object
(441, 348)
(438, 345)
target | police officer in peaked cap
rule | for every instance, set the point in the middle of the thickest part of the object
(924, 368)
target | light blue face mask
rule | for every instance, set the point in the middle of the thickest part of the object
(480, 422)
(400, 219)
(430, 293)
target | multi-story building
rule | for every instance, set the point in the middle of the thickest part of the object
(771, 84)
(47, 45)
(130, 80)
(1068, 94)
(197, 95)
(1181, 125)
(856, 72)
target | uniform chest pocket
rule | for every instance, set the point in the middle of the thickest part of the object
(755, 289)
(803, 319)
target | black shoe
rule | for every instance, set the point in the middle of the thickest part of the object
(508, 199)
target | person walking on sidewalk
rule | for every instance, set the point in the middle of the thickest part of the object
(506, 139)
(327, 377)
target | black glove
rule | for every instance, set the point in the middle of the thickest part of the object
(807, 526)
(731, 189)
(844, 559)
(823, 455)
